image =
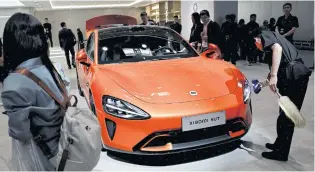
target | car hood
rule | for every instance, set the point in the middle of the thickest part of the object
(173, 81)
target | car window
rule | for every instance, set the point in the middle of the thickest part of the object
(143, 47)
(88, 43)
(90, 47)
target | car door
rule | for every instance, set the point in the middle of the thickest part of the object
(86, 72)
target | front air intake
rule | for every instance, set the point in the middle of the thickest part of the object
(111, 128)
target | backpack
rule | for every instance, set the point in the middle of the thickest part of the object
(79, 146)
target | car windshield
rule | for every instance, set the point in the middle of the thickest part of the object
(143, 46)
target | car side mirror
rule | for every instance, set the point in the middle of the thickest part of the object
(85, 64)
(81, 56)
(212, 52)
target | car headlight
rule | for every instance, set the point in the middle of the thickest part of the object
(246, 91)
(123, 109)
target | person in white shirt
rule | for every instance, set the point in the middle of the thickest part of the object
(64, 78)
(145, 19)
(211, 31)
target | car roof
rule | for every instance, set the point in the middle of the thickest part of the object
(125, 30)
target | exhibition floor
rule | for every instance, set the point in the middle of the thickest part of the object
(242, 156)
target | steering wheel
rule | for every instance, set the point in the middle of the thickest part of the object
(163, 48)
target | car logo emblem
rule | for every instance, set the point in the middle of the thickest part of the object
(193, 93)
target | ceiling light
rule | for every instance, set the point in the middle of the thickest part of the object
(10, 4)
(95, 6)
(5, 16)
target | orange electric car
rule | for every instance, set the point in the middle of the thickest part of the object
(153, 93)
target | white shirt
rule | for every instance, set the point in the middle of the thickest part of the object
(204, 34)
(65, 79)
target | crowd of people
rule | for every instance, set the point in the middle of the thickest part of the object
(25, 46)
(232, 37)
(270, 43)
(67, 40)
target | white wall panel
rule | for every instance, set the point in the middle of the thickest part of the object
(76, 18)
(222, 8)
(304, 10)
(187, 10)
(6, 13)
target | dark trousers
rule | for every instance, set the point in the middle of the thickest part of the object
(49, 36)
(242, 50)
(230, 51)
(251, 55)
(290, 39)
(285, 127)
(251, 50)
(71, 49)
(81, 45)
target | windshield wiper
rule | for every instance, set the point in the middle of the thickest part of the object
(157, 59)
(163, 58)
(149, 60)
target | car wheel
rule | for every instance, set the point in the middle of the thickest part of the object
(79, 87)
(92, 105)
(103, 146)
(251, 109)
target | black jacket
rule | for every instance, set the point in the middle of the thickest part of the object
(0, 47)
(230, 31)
(177, 27)
(242, 33)
(195, 33)
(291, 66)
(252, 25)
(47, 27)
(80, 36)
(66, 38)
(214, 34)
(272, 27)
(224, 27)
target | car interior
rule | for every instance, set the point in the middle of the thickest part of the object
(131, 47)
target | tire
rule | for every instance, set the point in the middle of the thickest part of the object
(103, 146)
(92, 107)
(79, 87)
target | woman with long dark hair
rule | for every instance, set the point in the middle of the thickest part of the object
(195, 35)
(34, 117)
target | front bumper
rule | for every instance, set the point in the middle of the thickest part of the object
(176, 141)
(160, 136)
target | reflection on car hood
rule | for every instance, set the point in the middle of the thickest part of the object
(172, 81)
